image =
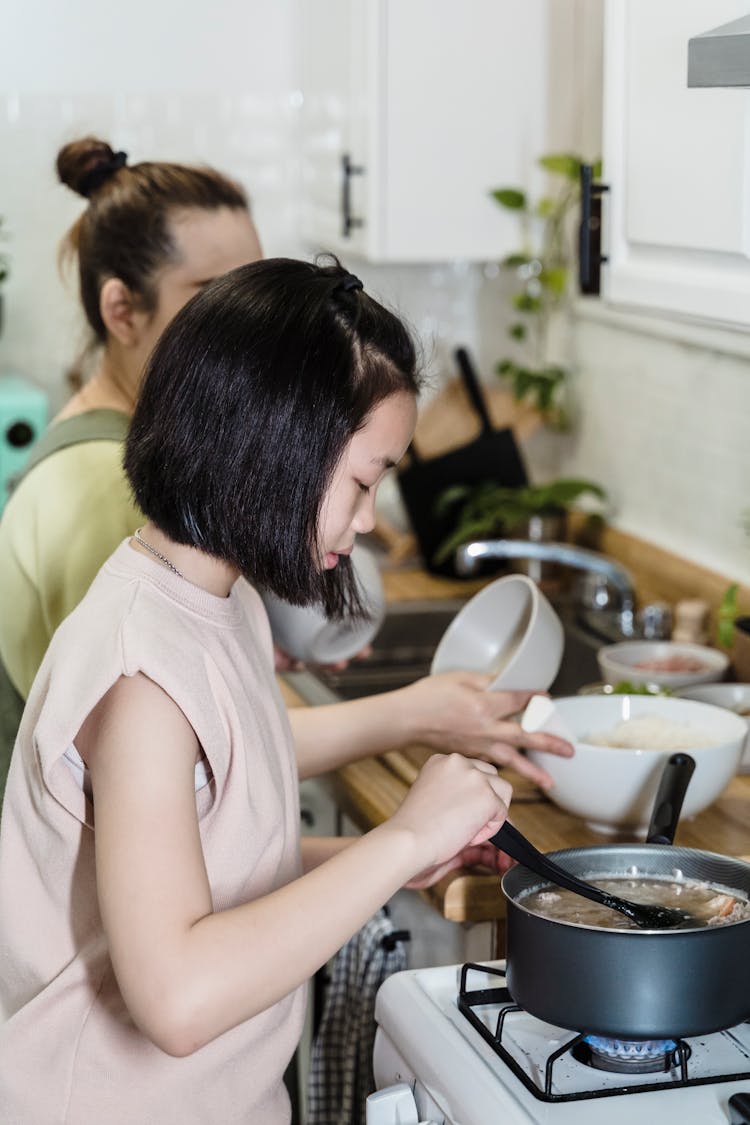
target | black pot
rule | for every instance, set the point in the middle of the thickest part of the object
(635, 984)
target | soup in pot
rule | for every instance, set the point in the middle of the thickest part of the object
(709, 905)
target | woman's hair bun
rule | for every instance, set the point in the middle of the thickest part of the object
(78, 160)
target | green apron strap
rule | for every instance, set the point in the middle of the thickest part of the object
(94, 425)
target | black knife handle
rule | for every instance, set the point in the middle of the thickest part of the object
(473, 388)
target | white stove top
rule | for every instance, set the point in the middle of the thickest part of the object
(424, 1040)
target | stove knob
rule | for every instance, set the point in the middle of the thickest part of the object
(739, 1109)
(393, 1105)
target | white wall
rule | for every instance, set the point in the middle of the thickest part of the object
(662, 420)
(163, 81)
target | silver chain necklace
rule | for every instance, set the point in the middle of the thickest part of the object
(157, 554)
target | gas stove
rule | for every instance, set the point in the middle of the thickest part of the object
(452, 1039)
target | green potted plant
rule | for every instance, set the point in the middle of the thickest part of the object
(490, 510)
(542, 271)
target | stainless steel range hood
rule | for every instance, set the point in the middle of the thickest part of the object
(721, 57)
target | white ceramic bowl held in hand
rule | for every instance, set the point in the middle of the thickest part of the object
(306, 634)
(612, 787)
(508, 629)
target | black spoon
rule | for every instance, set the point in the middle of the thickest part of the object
(645, 916)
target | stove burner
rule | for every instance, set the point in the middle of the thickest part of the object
(625, 1056)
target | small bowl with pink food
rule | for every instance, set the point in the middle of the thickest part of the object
(666, 664)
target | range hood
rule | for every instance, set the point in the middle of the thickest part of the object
(721, 57)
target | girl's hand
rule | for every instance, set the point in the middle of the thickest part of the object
(478, 855)
(455, 803)
(454, 711)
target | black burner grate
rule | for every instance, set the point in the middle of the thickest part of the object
(468, 1000)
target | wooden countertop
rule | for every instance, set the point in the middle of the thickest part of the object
(368, 792)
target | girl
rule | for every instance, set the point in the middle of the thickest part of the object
(153, 234)
(158, 918)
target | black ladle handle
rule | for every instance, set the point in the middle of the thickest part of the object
(673, 785)
(508, 839)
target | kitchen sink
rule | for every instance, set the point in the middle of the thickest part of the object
(403, 648)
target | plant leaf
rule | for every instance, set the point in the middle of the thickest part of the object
(545, 207)
(562, 164)
(555, 278)
(513, 261)
(726, 616)
(524, 302)
(517, 331)
(511, 198)
(506, 368)
(450, 497)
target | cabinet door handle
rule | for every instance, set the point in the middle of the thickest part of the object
(348, 221)
(590, 257)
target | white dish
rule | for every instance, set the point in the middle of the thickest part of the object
(619, 662)
(508, 629)
(305, 633)
(735, 697)
(613, 788)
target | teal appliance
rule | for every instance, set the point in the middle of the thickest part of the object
(23, 418)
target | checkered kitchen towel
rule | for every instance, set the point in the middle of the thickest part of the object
(341, 1075)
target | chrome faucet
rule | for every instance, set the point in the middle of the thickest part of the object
(469, 555)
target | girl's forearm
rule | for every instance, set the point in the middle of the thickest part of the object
(229, 966)
(332, 735)
(318, 849)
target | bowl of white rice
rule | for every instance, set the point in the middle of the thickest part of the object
(622, 743)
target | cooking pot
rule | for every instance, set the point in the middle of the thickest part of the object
(634, 984)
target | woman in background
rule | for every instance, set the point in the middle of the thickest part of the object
(170, 915)
(152, 235)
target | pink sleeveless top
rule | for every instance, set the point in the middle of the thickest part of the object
(69, 1052)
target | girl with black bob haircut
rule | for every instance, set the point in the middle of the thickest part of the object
(236, 434)
(171, 914)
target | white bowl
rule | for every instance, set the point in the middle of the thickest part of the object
(305, 633)
(614, 788)
(619, 662)
(735, 697)
(508, 629)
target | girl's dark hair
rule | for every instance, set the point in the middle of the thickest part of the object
(124, 232)
(248, 402)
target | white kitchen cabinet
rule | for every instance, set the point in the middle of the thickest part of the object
(432, 103)
(677, 161)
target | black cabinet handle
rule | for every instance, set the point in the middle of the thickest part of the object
(590, 232)
(348, 220)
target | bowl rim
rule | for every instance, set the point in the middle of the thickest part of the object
(612, 651)
(533, 592)
(727, 716)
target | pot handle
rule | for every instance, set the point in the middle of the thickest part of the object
(673, 785)
(739, 1108)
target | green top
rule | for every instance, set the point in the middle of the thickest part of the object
(71, 509)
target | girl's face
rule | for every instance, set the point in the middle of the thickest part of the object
(348, 509)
